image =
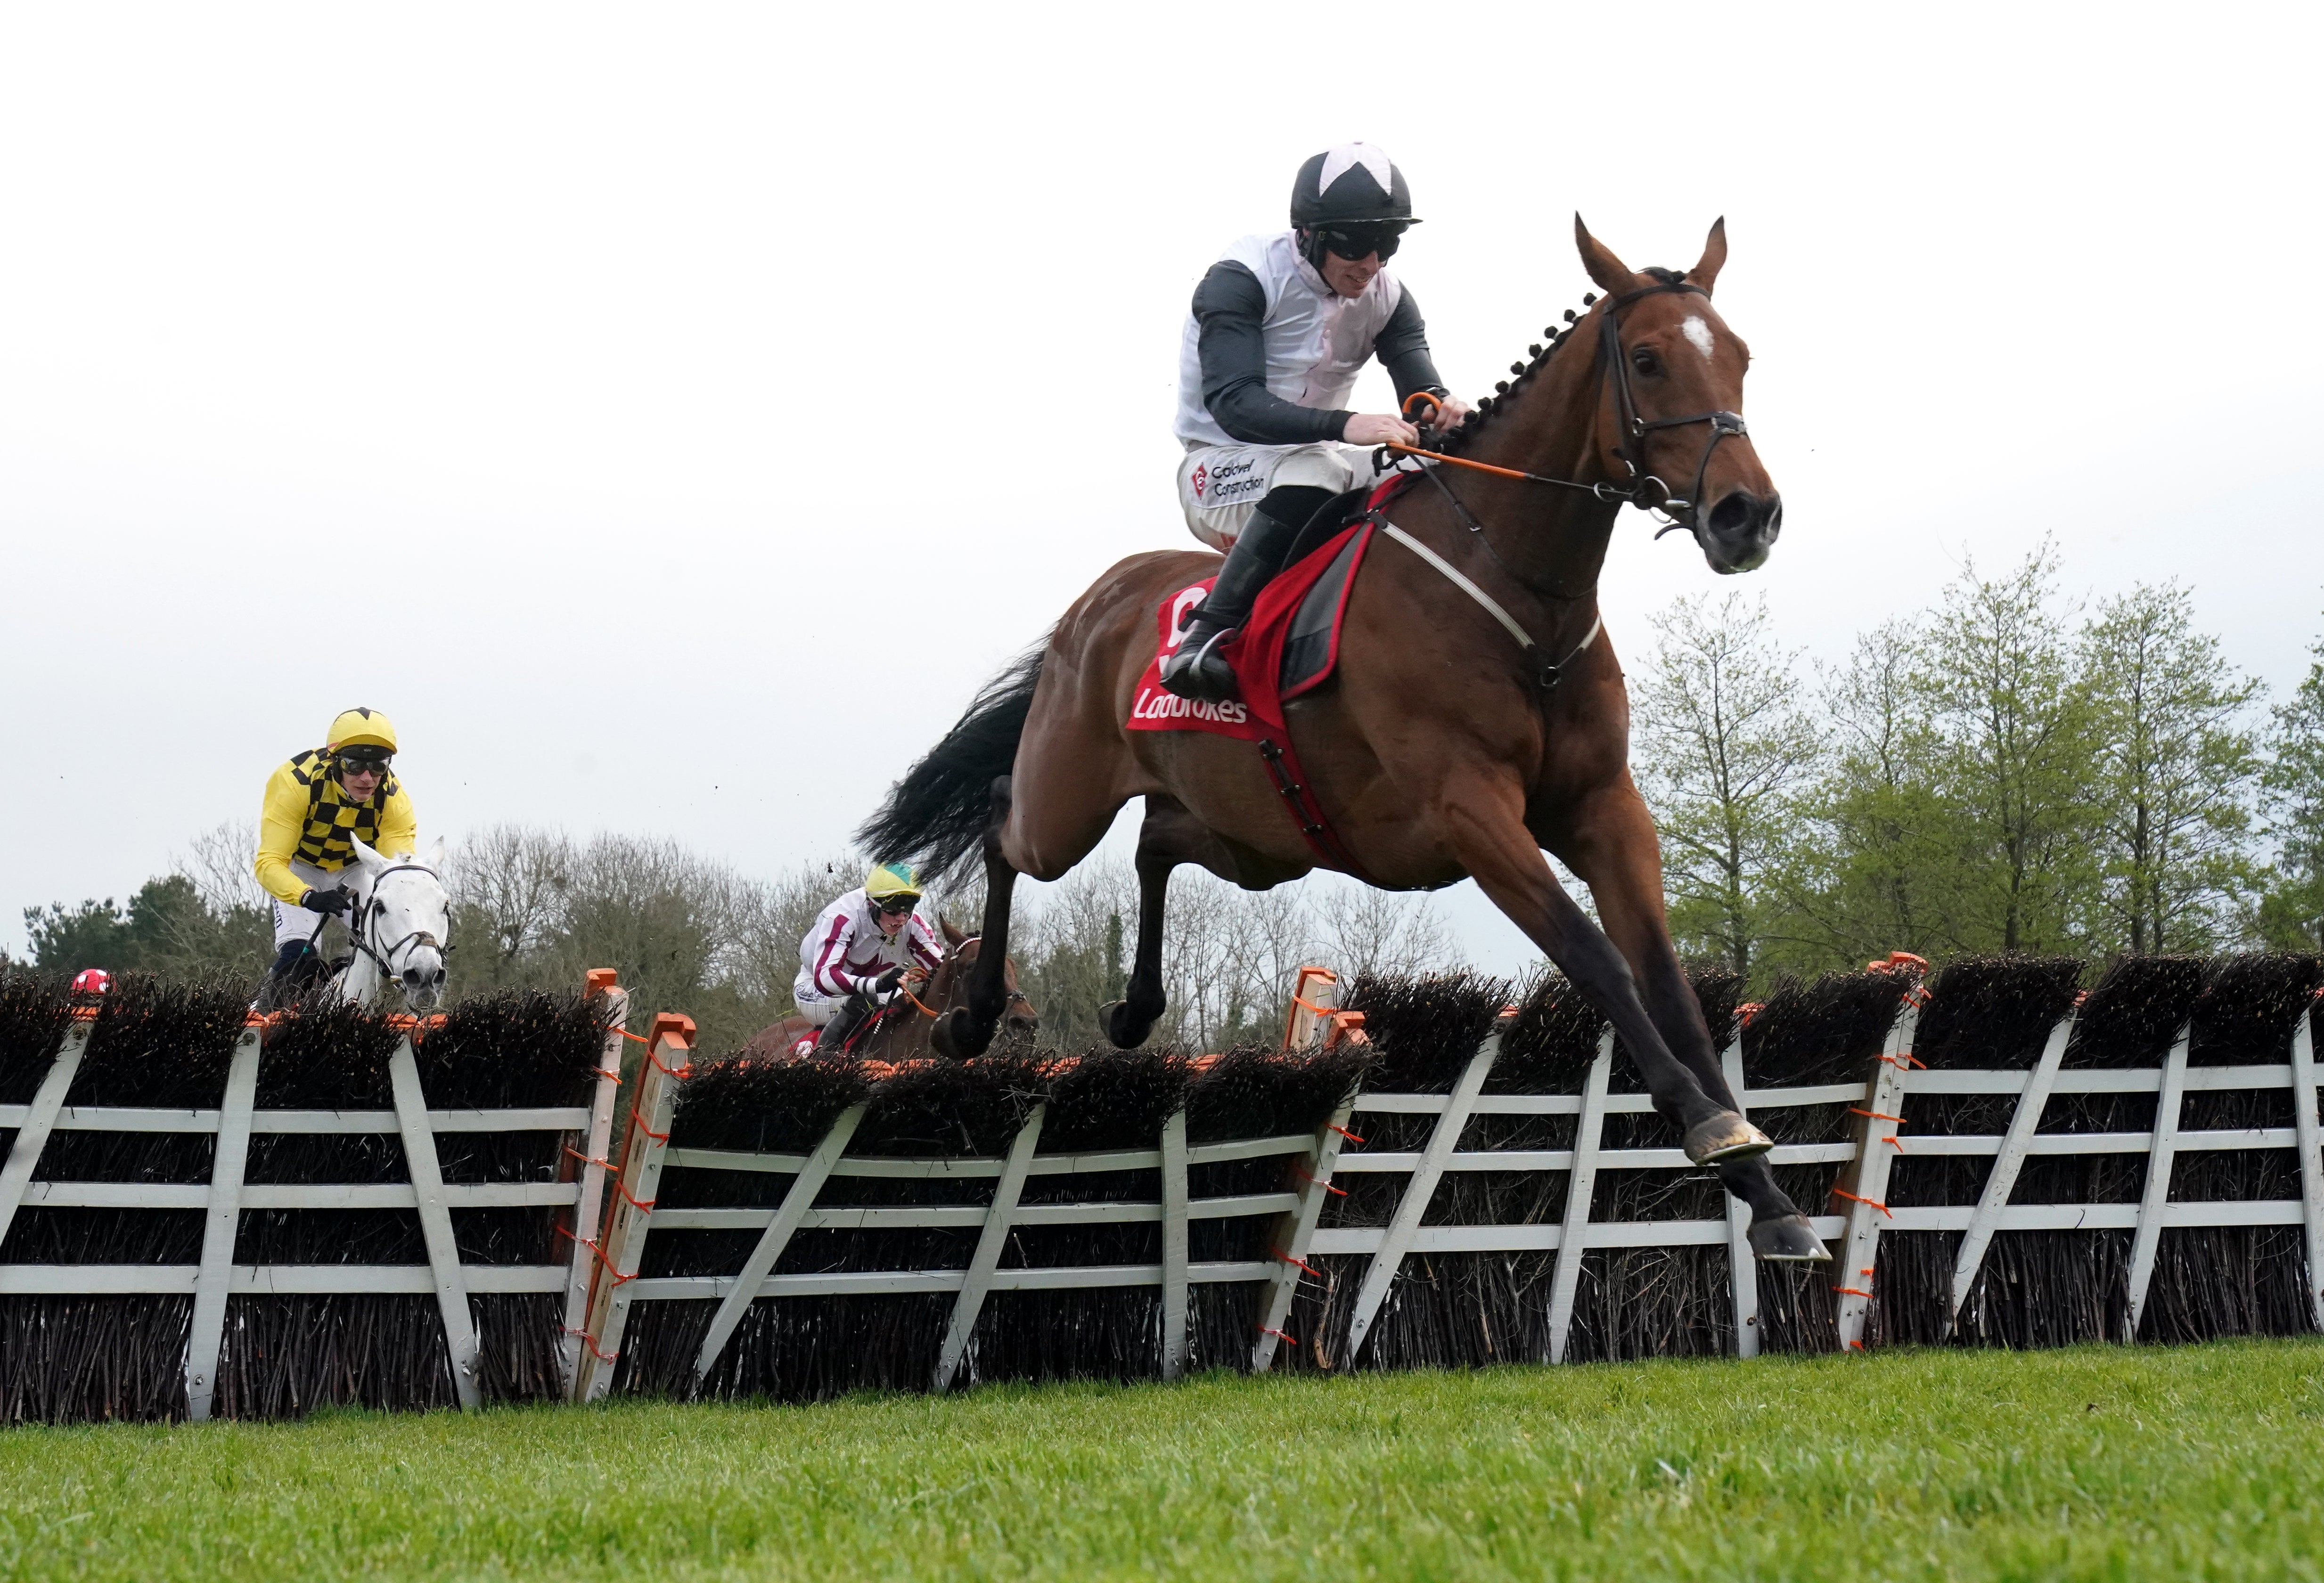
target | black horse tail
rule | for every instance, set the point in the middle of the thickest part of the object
(936, 815)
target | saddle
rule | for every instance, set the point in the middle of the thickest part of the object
(1288, 648)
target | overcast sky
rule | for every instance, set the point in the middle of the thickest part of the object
(668, 415)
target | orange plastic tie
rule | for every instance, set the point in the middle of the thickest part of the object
(1288, 1259)
(1852, 1291)
(588, 1159)
(1877, 1115)
(643, 1209)
(1344, 1132)
(591, 1244)
(637, 1121)
(1271, 1330)
(1876, 1203)
(590, 1341)
(1326, 1186)
(633, 1038)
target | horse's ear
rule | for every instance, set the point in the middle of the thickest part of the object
(953, 933)
(1714, 256)
(1604, 268)
(435, 855)
(364, 856)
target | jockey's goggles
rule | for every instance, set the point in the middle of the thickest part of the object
(902, 901)
(364, 762)
(1355, 243)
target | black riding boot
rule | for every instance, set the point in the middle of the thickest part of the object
(1197, 668)
(298, 968)
(842, 1025)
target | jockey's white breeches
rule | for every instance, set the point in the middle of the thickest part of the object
(1218, 486)
(296, 923)
(817, 1008)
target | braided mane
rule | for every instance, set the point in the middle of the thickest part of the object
(1552, 336)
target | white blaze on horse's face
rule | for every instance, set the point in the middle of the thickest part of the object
(1698, 335)
(404, 925)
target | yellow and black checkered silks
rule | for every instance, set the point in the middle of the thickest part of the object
(307, 817)
(331, 818)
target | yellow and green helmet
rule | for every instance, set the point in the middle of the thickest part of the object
(888, 880)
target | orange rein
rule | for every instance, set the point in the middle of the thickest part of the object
(1437, 406)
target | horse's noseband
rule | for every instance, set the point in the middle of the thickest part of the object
(1630, 443)
(361, 936)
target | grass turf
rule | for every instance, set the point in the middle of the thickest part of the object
(2093, 1462)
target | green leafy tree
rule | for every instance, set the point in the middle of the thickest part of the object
(1874, 864)
(2175, 773)
(2015, 735)
(1722, 749)
(2292, 908)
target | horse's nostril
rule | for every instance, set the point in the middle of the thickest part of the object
(1733, 514)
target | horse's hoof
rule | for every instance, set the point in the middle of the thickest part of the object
(1723, 1137)
(1787, 1239)
(1123, 1031)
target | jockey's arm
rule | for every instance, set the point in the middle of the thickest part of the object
(1230, 307)
(399, 827)
(1403, 350)
(281, 820)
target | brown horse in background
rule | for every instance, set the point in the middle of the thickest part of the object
(1443, 750)
(901, 1032)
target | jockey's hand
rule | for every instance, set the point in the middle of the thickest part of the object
(883, 990)
(329, 903)
(1378, 428)
(1452, 412)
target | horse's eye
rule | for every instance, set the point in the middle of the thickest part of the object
(1644, 360)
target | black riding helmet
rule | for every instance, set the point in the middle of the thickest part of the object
(1350, 200)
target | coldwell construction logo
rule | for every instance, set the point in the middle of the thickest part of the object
(1201, 476)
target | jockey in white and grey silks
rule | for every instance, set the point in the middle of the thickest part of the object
(1278, 331)
(864, 949)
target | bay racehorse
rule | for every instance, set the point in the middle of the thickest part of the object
(1477, 717)
(901, 1030)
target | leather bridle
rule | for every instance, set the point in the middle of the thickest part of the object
(1630, 439)
(1629, 443)
(361, 936)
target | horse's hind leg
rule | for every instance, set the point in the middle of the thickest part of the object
(1169, 837)
(967, 1030)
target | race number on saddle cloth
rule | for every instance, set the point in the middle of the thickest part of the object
(1289, 646)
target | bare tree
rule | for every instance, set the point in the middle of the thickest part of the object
(1723, 747)
(1362, 931)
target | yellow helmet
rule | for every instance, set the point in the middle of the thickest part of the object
(367, 726)
(887, 879)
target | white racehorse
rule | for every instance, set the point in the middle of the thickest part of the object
(400, 927)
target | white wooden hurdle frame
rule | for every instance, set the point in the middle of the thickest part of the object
(1576, 1232)
(2161, 1143)
(216, 1277)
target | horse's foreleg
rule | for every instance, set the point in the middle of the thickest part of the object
(1610, 845)
(968, 1030)
(1483, 819)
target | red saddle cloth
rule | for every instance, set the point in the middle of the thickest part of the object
(1290, 646)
